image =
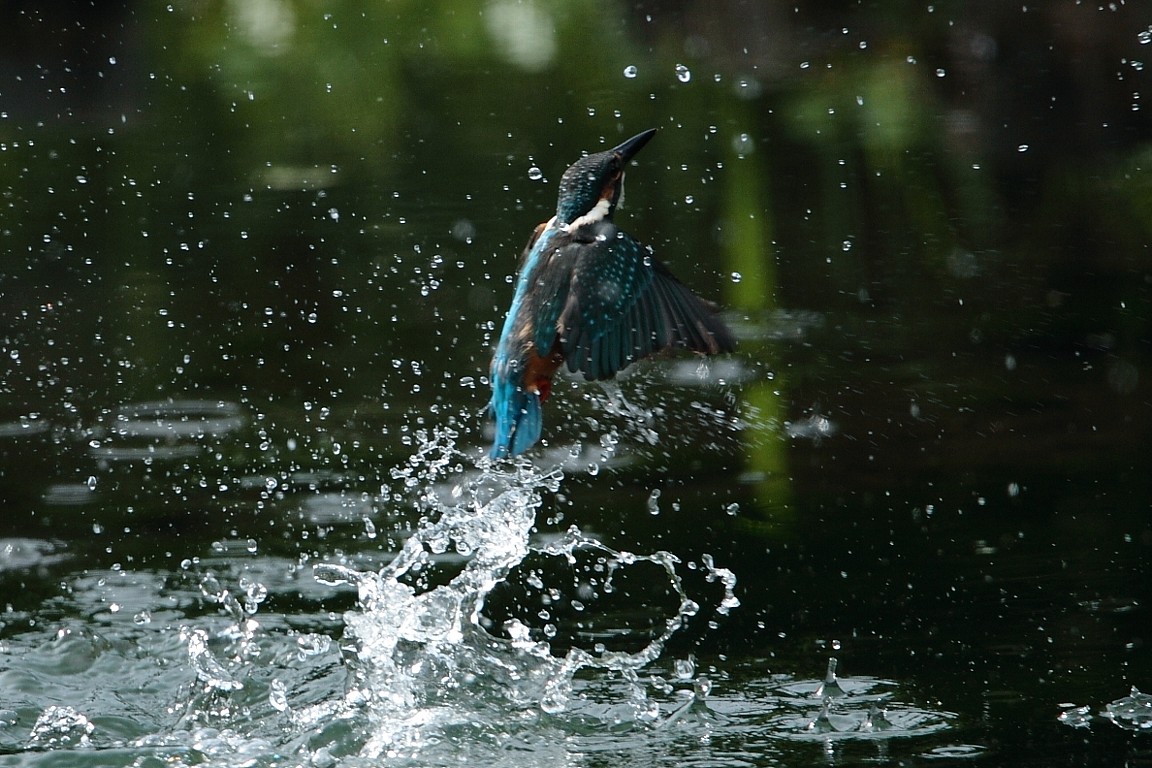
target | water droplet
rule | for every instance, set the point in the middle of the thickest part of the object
(654, 502)
(1145, 37)
(743, 144)
(941, 72)
(91, 482)
(1022, 148)
(737, 277)
(535, 173)
(689, 199)
(683, 74)
(630, 71)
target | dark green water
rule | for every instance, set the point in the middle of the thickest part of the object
(252, 255)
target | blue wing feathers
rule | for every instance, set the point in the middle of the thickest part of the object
(603, 303)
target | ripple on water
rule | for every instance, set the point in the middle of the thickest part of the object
(30, 424)
(165, 429)
(21, 554)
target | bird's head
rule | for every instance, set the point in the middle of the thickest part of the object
(591, 187)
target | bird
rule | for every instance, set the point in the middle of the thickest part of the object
(591, 297)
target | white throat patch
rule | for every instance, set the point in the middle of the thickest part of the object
(598, 212)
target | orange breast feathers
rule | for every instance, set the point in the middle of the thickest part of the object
(539, 372)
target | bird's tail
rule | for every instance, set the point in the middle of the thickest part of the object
(519, 420)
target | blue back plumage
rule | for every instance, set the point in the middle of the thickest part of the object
(517, 412)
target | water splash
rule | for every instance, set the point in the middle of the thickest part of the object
(857, 708)
(60, 726)
(426, 660)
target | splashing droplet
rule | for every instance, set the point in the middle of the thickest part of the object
(683, 74)
(630, 71)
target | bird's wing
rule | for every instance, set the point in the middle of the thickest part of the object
(622, 305)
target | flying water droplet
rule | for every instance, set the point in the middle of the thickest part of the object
(630, 71)
(683, 74)
(535, 173)
(654, 502)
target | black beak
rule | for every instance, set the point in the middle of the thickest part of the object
(633, 145)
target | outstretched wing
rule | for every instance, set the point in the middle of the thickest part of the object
(622, 305)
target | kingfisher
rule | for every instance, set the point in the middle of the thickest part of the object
(591, 297)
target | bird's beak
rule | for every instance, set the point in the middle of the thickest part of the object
(633, 145)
